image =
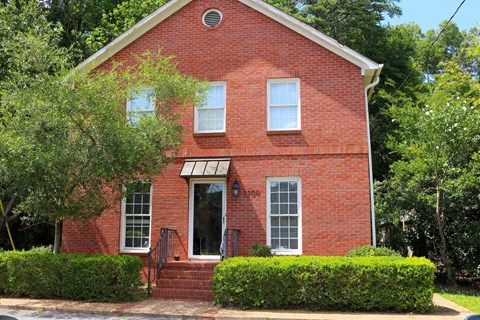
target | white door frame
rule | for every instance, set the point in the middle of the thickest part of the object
(191, 208)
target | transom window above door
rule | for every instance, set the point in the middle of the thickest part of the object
(211, 116)
(283, 97)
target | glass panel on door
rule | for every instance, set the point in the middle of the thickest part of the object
(207, 218)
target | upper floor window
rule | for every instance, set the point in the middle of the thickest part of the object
(211, 116)
(141, 103)
(283, 97)
(136, 217)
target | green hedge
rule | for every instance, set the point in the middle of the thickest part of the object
(71, 276)
(326, 283)
(371, 251)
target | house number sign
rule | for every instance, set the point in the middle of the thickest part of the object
(252, 193)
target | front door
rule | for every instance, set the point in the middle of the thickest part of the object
(207, 218)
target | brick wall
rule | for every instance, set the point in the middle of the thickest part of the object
(329, 153)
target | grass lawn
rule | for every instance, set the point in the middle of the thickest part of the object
(469, 299)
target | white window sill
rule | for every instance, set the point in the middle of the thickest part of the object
(287, 253)
(135, 250)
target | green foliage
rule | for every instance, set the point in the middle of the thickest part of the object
(66, 139)
(434, 185)
(326, 283)
(71, 276)
(261, 250)
(371, 251)
(114, 22)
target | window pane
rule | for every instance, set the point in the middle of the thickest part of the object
(294, 244)
(283, 93)
(284, 221)
(275, 232)
(210, 120)
(274, 186)
(293, 186)
(275, 198)
(283, 209)
(275, 221)
(293, 233)
(293, 197)
(284, 232)
(283, 186)
(215, 96)
(283, 118)
(293, 209)
(284, 197)
(275, 243)
(293, 221)
(142, 101)
(275, 209)
(284, 243)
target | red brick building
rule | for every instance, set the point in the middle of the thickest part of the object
(285, 125)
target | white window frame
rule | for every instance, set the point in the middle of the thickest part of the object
(142, 112)
(269, 106)
(196, 116)
(298, 251)
(123, 248)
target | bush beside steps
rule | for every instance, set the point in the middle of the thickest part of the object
(326, 283)
(106, 278)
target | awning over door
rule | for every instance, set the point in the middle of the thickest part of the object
(204, 168)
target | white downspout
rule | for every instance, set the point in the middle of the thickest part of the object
(370, 164)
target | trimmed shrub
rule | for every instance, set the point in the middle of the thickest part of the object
(71, 276)
(371, 251)
(326, 283)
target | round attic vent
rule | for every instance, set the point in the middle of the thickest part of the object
(212, 18)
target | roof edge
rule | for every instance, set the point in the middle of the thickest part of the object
(131, 34)
(268, 10)
(312, 34)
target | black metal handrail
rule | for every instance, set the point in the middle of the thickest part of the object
(158, 254)
(230, 246)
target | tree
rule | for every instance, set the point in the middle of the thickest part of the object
(65, 145)
(438, 142)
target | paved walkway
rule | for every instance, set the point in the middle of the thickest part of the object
(444, 310)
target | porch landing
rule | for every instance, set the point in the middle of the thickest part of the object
(186, 280)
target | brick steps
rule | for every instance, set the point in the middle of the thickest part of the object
(185, 280)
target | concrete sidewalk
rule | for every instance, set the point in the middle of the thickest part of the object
(444, 310)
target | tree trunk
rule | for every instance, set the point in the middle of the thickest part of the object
(58, 236)
(441, 231)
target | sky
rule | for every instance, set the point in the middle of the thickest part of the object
(428, 14)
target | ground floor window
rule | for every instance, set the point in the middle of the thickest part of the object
(136, 217)
(284, 212)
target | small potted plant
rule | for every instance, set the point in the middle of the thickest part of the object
(176, 256)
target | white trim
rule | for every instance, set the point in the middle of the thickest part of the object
(370, 164)
(366, 65)
(299, 251)
(190, 215)
(298, 105)
(124, 249)
(132, 34)
(196, 120)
